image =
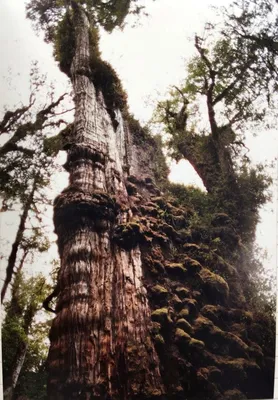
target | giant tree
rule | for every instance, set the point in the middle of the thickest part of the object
(138, 291)
(100, 343)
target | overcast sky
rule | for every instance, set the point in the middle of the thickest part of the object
(149, 58)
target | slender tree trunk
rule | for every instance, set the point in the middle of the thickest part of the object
(19, 235)
(15, 311)
(10, 383)
(100, 343)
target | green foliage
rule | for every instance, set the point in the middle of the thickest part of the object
(64, 43)
(27, 297)
(161, 169)
(46, 14)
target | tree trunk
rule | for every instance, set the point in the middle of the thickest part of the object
(100, 343)
(15, 312)
(11, 382)
(19, 235)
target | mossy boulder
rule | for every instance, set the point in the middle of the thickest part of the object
(215, 286)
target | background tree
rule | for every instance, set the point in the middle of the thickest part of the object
(222, 86)
(24, 341)
(26, 167)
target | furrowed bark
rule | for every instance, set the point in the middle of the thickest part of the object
(100, 343)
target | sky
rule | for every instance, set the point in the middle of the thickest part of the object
(148, 58)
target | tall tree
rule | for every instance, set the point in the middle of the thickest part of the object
(25, 167)
(218, 91)
(102, 318)
(138, 291)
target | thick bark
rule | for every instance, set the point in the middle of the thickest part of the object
(100, 343)
(15, 247)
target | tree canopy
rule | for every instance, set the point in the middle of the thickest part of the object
(207, 117)
(109, 14)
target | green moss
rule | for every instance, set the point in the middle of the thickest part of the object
(191, 304)
(184, 313)
(52, 145)
(129, 235)
(175, 269)
(158, 266)
(192, 265)
(181, 334)
(159, 339)
(182, 338)
(177, 303)
(192, 247)
(160, 315)
(140, 134)
(155, 327)
(183, 324)
(160, 294)
(196, 344)
(216, 286)
(64, 43)
(202, 324)
(234, 394)
(182, 292)
(160, 289)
